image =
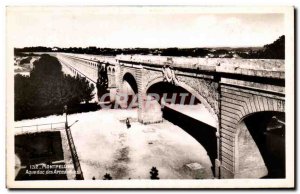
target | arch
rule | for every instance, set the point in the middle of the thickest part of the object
(202, 131)
(268, 104)
(249, 138)
(128, 77)
(127, 93)
(190, 90)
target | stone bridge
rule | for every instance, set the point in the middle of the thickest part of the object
(245, 98)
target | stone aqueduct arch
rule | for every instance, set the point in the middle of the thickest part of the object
(188, 88)
(228, 98)
(229, 104)
(146, 78)
(236, 105)
(204, 89)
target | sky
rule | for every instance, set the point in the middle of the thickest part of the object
(82, 27)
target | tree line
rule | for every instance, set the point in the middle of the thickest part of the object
(273, 50)
(48, 89)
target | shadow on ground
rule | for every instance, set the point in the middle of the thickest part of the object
(38, 148)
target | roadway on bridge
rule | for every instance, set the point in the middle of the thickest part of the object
(83, 69)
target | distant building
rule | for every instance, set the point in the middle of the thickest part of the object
(209, 55)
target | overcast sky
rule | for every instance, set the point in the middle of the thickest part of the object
(81, 28)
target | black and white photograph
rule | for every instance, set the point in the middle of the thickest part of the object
(150, 97)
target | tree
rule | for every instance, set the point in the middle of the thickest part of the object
(154, 173)
(102, 82)
(48, 88)
(85, 88)
(275, 50)
(23, 95)
(46, 66)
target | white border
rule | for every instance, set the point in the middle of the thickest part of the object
(229, 183)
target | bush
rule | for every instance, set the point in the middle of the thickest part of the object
(107, 177)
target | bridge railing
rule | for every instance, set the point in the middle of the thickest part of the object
(26, 129)
(75, 159)
(70, 67)
(39, 128)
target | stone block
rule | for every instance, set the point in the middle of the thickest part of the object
(195, 170)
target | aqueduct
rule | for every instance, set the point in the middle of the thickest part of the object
(245, 98)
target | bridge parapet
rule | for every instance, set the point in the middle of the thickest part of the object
(252, 67)
(268, 68)
(175, 62)
(109, 60)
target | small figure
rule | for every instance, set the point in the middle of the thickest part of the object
(169, 75)
(128, 123)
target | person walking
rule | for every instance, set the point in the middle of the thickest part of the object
(128, 123)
